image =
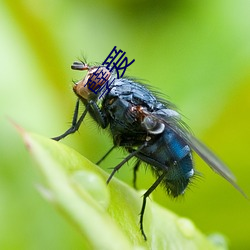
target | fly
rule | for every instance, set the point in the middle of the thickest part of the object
(149, 128)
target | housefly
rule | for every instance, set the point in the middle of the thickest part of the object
(149, 128)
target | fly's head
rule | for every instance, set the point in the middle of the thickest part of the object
(81, 88)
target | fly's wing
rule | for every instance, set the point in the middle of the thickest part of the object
(175, 124)
(212, 160)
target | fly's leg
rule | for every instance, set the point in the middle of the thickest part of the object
(125, 160)
(95, 112)
(105, 155)
(145, 196)
(75, 124)
(135, 169)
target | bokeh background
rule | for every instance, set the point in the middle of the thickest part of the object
(196, 52)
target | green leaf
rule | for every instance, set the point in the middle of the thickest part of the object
(106, 215)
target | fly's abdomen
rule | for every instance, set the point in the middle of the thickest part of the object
(170, 155)
(178, 176)
(180, 166)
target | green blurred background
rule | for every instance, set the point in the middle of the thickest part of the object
(195, 52)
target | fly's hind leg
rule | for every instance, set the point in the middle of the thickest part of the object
(145, 196)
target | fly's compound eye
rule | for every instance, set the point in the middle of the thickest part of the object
(152, 125)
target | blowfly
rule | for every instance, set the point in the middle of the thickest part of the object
(148, 127)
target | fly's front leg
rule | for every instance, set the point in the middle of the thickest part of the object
(95, 112)
(75, 123)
